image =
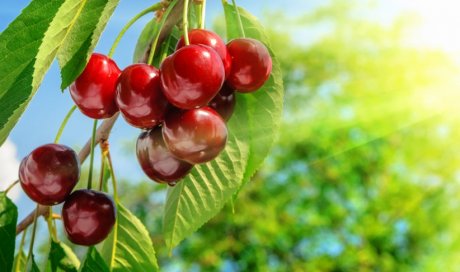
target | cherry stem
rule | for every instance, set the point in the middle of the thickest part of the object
(11, 186)
(185, 22)
(51, 227)
(104, 148)
(91, 159)
(203, 14)
(240, 22)
(64, 123)
(160, 28)
(56, 216)
(23, 241)
(153, 8)
(34, 230)
(112, 173)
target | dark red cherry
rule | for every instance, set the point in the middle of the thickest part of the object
(49, 173)
(88, 217)
(196, 135)
(192, 76)
(139, 96)
(211, 39)
(94, 90)
(224, 102)
(157, 161)
(251, 64)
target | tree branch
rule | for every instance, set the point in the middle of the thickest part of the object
(103, 132)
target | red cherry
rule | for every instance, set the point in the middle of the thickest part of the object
(49, 173)
(156, 160)
(224, 102)
(192, 76)
(211, 39)
(196, 135)
(88, 217)
(94, 90)
(139, 96)
(251, 64)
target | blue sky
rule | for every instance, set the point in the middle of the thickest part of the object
(40, 122)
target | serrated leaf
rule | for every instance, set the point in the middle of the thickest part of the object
(8, 220)
(93, 262)
(129, 246)
(264, 106)
(252, 131)
(31, 42)
(19, 262)
(19, 44)
(82, 38)
(62, 258)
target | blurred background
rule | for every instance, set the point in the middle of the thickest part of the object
(365, 175)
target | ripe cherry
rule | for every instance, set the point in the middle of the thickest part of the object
(251, 64)
(211, 39)
(88, 217)
(196, 135)
(139, 96)
(49, 173)
(192, 76)
(157, 161)
(94, 90)
(224, 102)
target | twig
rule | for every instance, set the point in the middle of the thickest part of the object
(105, 128)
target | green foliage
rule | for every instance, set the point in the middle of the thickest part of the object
(82, 36)
(62, 258)
(19, 262)
(69, 29)
(129, 248)
(8, 220)
(94, 262)
(252, 131)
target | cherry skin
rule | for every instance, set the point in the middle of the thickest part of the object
(95, 89)
(211, 39)
(224, 102)
(49, 173)
(196, 135)
(192, 76)
(139, 96)
(251, 64)
(156, 160)
(88, 217)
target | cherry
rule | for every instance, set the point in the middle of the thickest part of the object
(157, 161)
(192, 76)
(251, 64)
(88, 217)
(196, 135)
(224, 102)
(211, 39)
(139, 96)
(94, 90)
(49, 173)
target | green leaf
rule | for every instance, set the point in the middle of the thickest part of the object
(8, 220)
(62, 258)
(19, 45)
(147, 35)
(31, 42)
(265, 106)
(129, 246)
(75, 51)
(32, 265)
(94, 262)
(19, 262)
(252, 131)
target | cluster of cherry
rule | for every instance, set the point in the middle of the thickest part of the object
(182, 108)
